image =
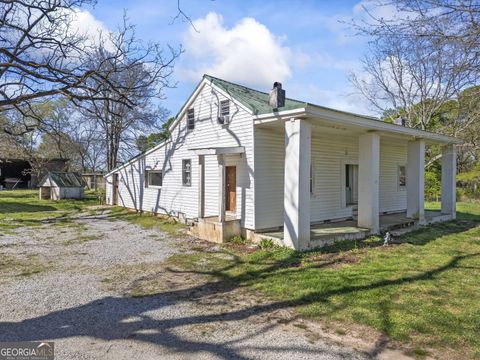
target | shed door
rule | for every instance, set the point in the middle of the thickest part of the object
(231, 188)
(45, 192)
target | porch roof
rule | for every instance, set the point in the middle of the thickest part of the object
(219, 150)
(340, 120)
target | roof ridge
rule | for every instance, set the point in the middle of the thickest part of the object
(249, 88)
(232, 83)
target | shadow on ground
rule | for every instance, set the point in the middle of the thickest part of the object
(110, 318)
(8, 207)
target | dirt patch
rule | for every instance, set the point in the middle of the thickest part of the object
(332, 260)
(146, 279)
(12, 266)
(246, 248)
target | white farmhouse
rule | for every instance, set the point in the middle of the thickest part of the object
(241, 161)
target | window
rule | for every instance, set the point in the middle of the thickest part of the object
(187, 172)
(224, 113)
(402, 176)
(153, 178)
(191, 119)
(224, 107)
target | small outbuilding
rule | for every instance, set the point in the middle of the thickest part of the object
(94, 180)
(62, 185)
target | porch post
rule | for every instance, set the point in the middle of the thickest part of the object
(221, 192)
(298, 136)
(201, 186)
(416, 180)
(368, 182)
(449, 170)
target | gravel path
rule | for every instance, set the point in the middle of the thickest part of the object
(71, 301)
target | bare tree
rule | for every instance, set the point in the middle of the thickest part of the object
(91, 145)
(57, 135)
(145, 73)
(181, 14)
(410, 67)
(42, 56)
(445, 20)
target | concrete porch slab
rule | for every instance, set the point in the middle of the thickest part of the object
(326, 229)
(328, 233)
(324, 234)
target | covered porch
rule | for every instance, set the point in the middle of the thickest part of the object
(301, 228)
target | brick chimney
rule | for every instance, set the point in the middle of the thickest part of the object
(276, 99)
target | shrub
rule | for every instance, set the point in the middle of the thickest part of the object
(266, 244)
(237, 240)
(433, 186)
(469, 184)
(101, 196)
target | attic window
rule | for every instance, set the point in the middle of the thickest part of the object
(190, 119)
(224, 107)
(224, 112)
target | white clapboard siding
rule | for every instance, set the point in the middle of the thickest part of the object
(211, 187)
(330, 154)
(269, 177)
(174, 198)
(392, 155)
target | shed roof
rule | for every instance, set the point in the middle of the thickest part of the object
(64, 179)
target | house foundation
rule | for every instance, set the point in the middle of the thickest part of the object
(211, 229)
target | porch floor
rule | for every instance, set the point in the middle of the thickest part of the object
(348, 229)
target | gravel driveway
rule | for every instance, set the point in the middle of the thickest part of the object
(73, 295)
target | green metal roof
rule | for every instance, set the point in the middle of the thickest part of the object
(255, 100)
(65, 179)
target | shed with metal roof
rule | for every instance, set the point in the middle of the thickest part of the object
(62, 185)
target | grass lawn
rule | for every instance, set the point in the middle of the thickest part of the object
(147, 221)
(424, 292)
(23, 208)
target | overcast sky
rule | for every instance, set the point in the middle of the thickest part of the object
(303, 44)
